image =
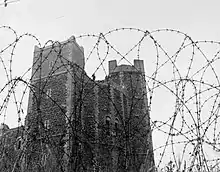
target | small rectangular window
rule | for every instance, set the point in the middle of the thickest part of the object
(47, 124)
(51, 64)
(107, 122)
(48, 93)
(18, 144)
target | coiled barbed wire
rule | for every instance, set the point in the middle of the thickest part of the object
(189, 82)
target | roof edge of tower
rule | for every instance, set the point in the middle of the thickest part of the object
(72, 39)
(137, 67)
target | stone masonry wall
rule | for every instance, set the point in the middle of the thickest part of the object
(77, 123)
(46, 124)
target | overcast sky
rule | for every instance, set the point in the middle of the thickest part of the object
(56, 19)
(60, 19)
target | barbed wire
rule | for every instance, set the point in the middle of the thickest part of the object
(190, 82)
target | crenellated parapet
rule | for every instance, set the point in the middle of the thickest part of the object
(138, 66)
(54, 59)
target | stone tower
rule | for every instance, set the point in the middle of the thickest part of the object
(51, 103)
(134, 114)
(75, 123)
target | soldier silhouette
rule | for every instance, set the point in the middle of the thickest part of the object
(5, 2)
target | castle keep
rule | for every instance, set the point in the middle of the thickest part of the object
(75, 123)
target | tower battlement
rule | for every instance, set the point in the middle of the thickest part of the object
(54, 58)
(137, 67)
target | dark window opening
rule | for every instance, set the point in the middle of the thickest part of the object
(19, 145)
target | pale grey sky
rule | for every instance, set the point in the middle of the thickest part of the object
(56, 19)
(60, 19)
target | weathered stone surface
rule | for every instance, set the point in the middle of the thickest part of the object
(11, 148)
(75, 123)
